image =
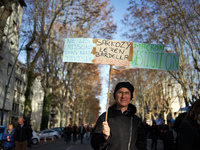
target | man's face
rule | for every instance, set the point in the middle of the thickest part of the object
(20, 121)
(123, 97)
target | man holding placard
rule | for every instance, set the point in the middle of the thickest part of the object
(123, 130)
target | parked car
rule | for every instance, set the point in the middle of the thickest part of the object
(35, 138)
(60, 130)
(49, 133)
(2, 129)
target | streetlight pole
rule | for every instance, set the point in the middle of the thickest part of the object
(7, 85)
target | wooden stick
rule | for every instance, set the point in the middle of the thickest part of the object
(108, 93)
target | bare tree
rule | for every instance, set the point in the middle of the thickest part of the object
(76, 19)
(176, 25)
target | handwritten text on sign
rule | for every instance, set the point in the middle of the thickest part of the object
(137, 55)
(78, 50)
(113, 52)
(152, 56)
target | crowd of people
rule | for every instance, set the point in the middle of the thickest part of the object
(76, 132)
(120, 128)
(18, 138)
(181, 134)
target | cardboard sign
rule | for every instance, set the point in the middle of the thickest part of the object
(120, 53)
(152, 56)
(87, 50)
(113, 52)
(78, 50)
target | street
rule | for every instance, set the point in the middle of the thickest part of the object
(60, 144)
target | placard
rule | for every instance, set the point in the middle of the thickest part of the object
(119, 53)
(152, 56)
(113, 52)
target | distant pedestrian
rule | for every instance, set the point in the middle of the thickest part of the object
(189, 131)
(154, 134)
(67, 133)
(8, 138)
(164, 130)
(22, 135)
(146, 128)
(81, 132)
(75, 132)
(159, 120)
(88, 132)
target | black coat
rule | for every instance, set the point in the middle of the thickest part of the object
(125, 129)
(22, 133)
(154, 132)
(189, 136)
(83, 130)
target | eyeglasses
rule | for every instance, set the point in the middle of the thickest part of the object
(127, 93)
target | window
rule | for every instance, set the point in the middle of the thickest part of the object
(1, 46)
(15, 107)
(17, 68)
(9, 69)
(45, 132)
(2, 43)
(8, 93)
(1, 64)
(12, 47)
(15, 94)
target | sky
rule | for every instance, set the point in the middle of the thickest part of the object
(120, 8)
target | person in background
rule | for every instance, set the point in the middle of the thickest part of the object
(81, 131)
(189, 131)
(159, 120)
(154, 134)
(65, 133)
(22, 135)
(88, 131)
(123, 130)
(8, 138)
(75, 132)
(171, 135)
(146, 127)
(164, 130)
(68, 132)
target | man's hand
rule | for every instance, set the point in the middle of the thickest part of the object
(106, 129)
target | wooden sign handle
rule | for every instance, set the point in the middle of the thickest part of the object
(108, 93)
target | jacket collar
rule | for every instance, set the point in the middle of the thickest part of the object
(112, 111)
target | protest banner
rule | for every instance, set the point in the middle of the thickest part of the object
(112, 52)
(100, 51)
(78, 50)
(152, 56)
(120, 53)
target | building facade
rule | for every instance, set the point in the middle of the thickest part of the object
(19, 91)
(8, 56)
